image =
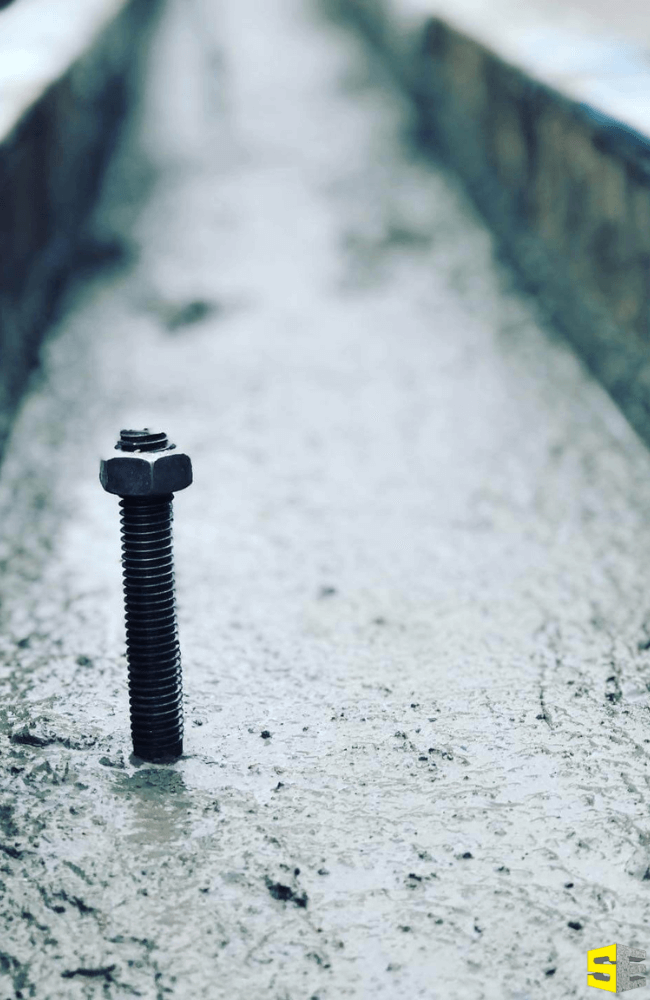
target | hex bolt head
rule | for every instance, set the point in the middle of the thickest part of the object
(145, 472)
(148, 474)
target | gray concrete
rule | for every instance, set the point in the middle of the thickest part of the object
(416, 552)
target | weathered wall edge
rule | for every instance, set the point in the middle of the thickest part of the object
(52, 163)
(563, 183)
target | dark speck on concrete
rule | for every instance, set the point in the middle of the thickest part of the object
(178, 315)
(286, 894)
(25, 738)
(104, 972)
(568, 885)
(467, 855)
(279, 891)
(38, 735)
(550, 972)
(575, 925)
(265, 734)
(11, 852)
(327, 592)
(107, 762)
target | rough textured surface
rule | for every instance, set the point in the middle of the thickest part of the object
(540, 115)
(413, 578)
(67, 75)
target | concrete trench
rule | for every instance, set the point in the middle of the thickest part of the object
(416, 553)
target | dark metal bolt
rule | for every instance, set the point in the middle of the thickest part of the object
(145, 473)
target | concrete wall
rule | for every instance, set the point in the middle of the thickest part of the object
(546, 124)
(67, 75)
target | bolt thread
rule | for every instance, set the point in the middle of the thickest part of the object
(153, 653)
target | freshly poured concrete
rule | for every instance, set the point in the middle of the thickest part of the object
(416, 553)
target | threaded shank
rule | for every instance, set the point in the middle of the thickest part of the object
(153, 653)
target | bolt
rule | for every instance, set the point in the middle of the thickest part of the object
(145, 473)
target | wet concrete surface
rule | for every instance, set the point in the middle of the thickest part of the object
(412, 574)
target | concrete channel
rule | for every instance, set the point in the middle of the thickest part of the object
(412, 572)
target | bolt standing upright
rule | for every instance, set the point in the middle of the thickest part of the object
(145, 473)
